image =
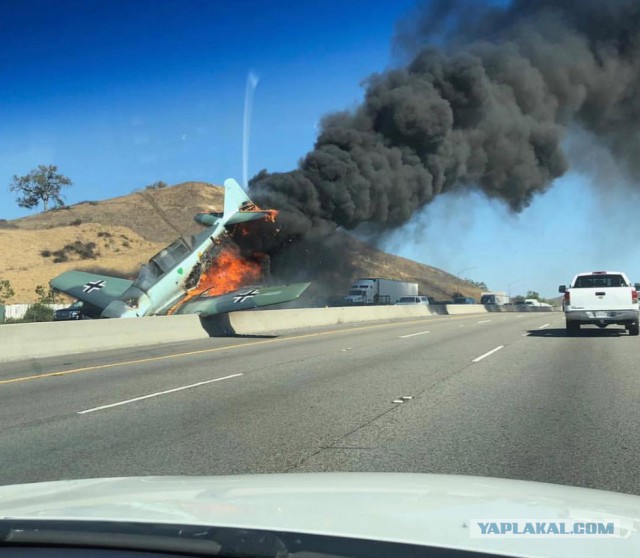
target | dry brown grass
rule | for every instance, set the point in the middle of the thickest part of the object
(137, 211)
(129, 229)
(24, 266)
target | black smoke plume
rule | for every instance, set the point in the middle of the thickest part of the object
(487, 108)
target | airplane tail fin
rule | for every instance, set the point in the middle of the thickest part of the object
(234, 198)
(238, 207)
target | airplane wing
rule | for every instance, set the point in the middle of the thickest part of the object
(98, 290)
(243, 299)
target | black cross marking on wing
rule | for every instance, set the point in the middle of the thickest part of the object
(241, 297)
(94, 286)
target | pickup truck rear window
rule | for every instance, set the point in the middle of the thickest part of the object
(596, 281)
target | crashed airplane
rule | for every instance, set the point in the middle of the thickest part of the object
(205, 274)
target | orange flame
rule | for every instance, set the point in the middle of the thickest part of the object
(228, 272)
(272, 214)
(246, 229)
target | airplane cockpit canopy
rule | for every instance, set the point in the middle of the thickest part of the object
(162, 262)
(171, 255)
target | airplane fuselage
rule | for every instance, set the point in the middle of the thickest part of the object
(156, 295)
(171, 287)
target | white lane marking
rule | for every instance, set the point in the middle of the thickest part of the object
(483, 321)
(525, 334)
(461, 325)
(478, 359)
(543, 326)
(413, 334)
(157, 394)
(520, 316)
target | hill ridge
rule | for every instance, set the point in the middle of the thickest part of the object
(118, 234)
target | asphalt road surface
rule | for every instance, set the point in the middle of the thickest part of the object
(492, 395)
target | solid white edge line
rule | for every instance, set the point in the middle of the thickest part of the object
(413, 334)
(478, 359)
(156, 394)
(543, 326)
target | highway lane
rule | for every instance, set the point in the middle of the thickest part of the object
(554, 409)
(60, 383)
(497, 395)
(129, 372)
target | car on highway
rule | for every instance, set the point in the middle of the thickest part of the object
(408, 300)
(79, 310)
(464, 300)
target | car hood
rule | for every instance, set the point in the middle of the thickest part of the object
(411, 508)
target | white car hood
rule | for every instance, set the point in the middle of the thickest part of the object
(411, 508)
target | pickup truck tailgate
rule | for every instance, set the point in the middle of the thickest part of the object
(610, 298)
(601, 292)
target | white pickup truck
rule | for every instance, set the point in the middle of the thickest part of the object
(601, 298)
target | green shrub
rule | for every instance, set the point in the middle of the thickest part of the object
(38, 312)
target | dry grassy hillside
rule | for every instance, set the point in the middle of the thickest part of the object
(117, 235)
(138, 211)
(33, 257)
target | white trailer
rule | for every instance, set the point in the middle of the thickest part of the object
(536, 303)
(494, 297)
(377, 290)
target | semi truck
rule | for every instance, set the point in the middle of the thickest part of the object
(494, 297)
(376, 290)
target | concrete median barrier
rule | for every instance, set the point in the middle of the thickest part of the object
(274, 321)
(456, 309)
(26, 341)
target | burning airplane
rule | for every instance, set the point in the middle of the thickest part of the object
(210, 273)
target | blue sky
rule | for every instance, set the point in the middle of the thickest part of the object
(122, 93)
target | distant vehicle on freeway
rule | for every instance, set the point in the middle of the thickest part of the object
(494, 297)
(377, 290)
(413, 300)
(536, 303)
(79, 310)
(464, 300)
